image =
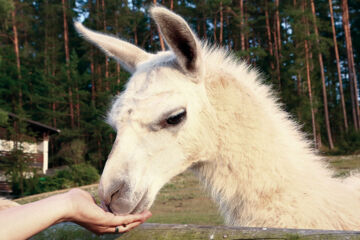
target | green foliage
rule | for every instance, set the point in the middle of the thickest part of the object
(83, 174)
(350, 144)
(73, 176)
(72, 152)
(3, 118)
(6, 6)
(47, 80)
(17, 166)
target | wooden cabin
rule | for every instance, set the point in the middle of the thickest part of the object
(35, 147)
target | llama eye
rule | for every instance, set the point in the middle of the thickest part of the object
(177, 118)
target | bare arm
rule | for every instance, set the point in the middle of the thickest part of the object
(78, 206)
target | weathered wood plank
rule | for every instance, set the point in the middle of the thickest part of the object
(153, 231)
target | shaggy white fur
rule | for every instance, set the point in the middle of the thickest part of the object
(230, 130)
(265, 172)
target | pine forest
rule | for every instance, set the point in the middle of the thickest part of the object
(306, 49)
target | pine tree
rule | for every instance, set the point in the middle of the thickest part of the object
(322, 71)
(351, 65)
(338, 66)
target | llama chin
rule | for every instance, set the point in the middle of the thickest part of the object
(199, 107)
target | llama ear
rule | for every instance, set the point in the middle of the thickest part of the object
(179, 38)
(127, 54)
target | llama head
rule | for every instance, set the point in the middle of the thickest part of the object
(159, 118)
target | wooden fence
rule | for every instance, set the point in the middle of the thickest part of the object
(154, 231)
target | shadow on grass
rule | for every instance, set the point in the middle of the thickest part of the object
(70, 231)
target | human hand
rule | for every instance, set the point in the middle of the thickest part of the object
(84, 211)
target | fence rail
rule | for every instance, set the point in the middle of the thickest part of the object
(152, 231)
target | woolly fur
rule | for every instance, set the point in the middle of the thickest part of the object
(248, 152)
(265, 173)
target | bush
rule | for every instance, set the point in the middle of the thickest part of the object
(73, 176)
(350, 144)
(72, 152)
(83, 174)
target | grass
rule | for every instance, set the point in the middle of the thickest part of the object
(182, 200)
(92, 188)
(343, 165)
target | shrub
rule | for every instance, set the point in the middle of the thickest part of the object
(73, 176)
(83, 174)
(350, 144)
(72, 152)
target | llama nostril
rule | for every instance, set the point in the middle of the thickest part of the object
(115, 198)
(112, 195)
(108, 208)
(111, 199)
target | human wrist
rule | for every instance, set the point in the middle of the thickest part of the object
(65, 205)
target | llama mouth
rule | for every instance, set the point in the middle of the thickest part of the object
(142, 205)
(122, 206)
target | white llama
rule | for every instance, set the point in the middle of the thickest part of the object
(197, 107)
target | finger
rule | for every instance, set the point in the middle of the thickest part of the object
(147, 214)
(97, 229)
(136, 217)
(118, 229)
(127, 219)
(128, 227)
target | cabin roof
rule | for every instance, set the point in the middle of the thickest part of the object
(37, 125)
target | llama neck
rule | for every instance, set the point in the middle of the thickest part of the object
(262, 163)
(251, 189)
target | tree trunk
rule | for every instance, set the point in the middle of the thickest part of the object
(268, 30)
(17, 53)
(321, 63)
(308, 78)
(118, 80)
(309, 91)
(242, 36)
(198, 25)
(247, 37)
(53, 69)
(299, 89)
(229, 33)
(107, 87)
(54, 111)
(162, 44)
(77, 105)
(221, 24)
(277, 59)
(353, 105)
(204, 27)
(100, 165)
(136, 36)
(66, 37)
(215, 23)
(67, 57)
(351, 64)
(46, 67)
(277, 16)
(298, 72)
(277, 43)
(99, 79)
(338, 66)
(93, 74)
